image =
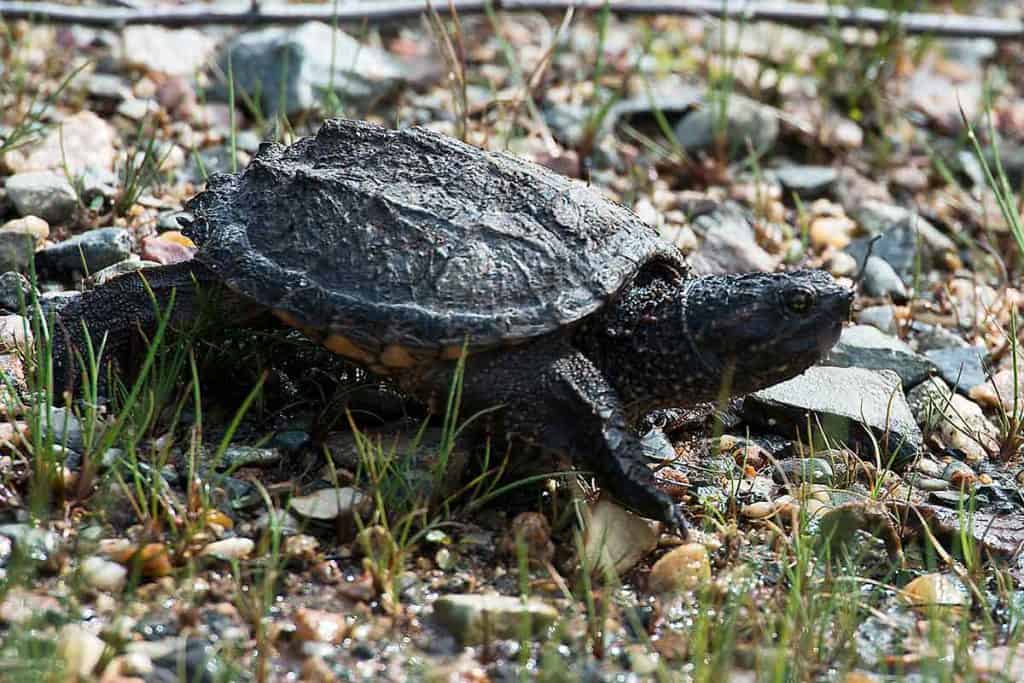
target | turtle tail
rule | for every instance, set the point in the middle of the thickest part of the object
(115, 319)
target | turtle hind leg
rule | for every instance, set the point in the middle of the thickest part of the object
(119, 316)
(555, 397)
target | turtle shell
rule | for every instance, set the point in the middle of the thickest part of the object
(409, 240)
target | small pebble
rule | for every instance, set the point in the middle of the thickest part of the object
(89, 252)
(1001, 392)
(861, 677)
(137, 109)
(329, 504)
(319, 626)
(16, 252)
(796, 470)
(444, 559)
(680, 570)
(16, 292)
(478, 618)
(376, 543)
(909, 178)
(749, 454)
(104, 575)
(966, 428)
(758, 510)
(842, 264)
(531, 532)
(929, 467)
(15, 333)
(883, 317)
(935, 589)
(229, 549)
(881, 280)
(301, 547)
(831, 231)
(166, 250)
(135, 664)
(959, 474)
(928, 483)
(316, 670)
(814, 507)
(80, 649)
(154, 558)
(28, 225)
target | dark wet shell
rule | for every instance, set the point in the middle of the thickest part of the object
(414, 239)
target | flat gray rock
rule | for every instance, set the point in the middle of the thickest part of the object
(43, 194)
(863, 346)
(745, 120)
(847, 405)
(89, 252)
(963, 367)
(808, 182)
(869, 336)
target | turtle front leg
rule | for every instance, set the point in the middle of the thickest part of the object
(557, 399)
(119, 315)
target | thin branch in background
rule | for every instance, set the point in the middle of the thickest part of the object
(790, 13)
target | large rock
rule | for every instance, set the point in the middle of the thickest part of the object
(81, 141)
(904, 233)
(171, 52)
(89, 252)
(475, 619)
(744, 120)
(845, 405)
(730, 243)
(307, 61)
(43, 194)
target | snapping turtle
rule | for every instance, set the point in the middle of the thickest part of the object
(400, 249)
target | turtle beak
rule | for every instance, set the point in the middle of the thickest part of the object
(837, 307)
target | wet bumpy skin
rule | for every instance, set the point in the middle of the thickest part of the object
(397, 249)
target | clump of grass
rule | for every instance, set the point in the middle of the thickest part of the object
(722, 84)
(404, 511)
(603, 101)
(453, 50)
(1011, 422)
(25, 108)
(140, 170)
(850, 74)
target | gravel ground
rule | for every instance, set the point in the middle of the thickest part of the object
(302, 521)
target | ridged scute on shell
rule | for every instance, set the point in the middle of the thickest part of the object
(410, 237)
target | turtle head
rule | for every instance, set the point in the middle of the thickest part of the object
(759, 329)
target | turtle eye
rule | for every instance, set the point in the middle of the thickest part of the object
(799, 300)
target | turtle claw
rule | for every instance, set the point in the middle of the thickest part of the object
(676, 521)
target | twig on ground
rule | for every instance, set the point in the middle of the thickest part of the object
(794, 14)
